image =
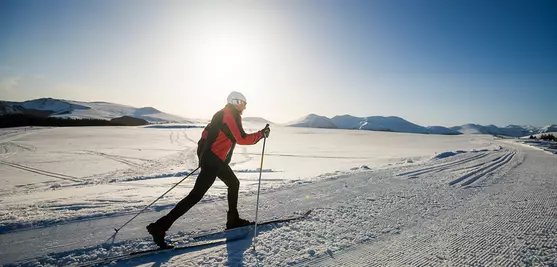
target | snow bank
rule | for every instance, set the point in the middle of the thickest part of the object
(445, 155)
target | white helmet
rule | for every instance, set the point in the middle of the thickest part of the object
(235, 98)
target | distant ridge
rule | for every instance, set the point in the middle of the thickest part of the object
(51, 107)
(397, 124)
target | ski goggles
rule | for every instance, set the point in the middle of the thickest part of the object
(240, 102)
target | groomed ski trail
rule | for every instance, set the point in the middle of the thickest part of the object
(510, 221)
(373, 218)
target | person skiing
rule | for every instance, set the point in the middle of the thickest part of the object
(214, 150)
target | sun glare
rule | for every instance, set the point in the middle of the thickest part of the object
(225, 51)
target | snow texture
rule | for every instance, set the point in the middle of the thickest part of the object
(378, 198)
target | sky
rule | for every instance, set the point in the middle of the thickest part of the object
(430, 62)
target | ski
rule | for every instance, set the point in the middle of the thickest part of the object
(209, 239)
(137, 254)
(231, 232)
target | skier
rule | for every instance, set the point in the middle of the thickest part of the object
(214, 151)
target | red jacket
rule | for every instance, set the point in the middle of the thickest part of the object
(223, 132)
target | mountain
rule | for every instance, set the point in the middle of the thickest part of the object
(548, 129)
(104, 110)
(380, 123)
(469, 129)
(129, 121)
(313, 121)
(514, 130)
(347, 122)
(397, 124)
(56, 106)
(393, 124)
(441, 130)
(256, 120)
(92, 110)
(510, 130)
(8, 108)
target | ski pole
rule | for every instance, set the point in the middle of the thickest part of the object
(117, 230)
(258, 189)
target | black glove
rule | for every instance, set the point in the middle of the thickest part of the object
(266, 131)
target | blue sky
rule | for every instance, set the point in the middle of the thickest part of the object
(430, 62)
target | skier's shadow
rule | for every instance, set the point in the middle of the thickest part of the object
(236, 250)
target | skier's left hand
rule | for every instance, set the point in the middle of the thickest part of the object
(266, 131)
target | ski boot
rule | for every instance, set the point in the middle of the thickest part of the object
(234, 220)
(158, 235)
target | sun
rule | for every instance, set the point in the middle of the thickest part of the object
(218, 56)
(225, 62)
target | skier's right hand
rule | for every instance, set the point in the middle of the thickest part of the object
(266, 131)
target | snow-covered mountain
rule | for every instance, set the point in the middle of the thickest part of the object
(548, 129)
(105, 110)
(441, 130)
(476, 129)
(313, 121)
(256, 120)
(515, 130)
(510, 130)
(397, 124)
(8, 108)
(347, 122)
(394, 124)
(372, 123)
(91, 110)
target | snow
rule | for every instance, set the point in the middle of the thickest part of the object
(545, 145)
(313, 121)
(446, 154)
(99, 110)
(378, 198)
(347, 122)
(7, 108)
(107, 111)
(510, 130)
(394, 124)
(55, 105)
(397, 124)
(548, 129)
(373, 123)
(441, 130)
(257, 120)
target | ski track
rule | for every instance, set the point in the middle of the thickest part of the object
(508, 217)
(8, 149)
(305, 156)
(518, 227)
(188, 138)
(42, 172)
(481, 166)
(442, 167)
(483, 172)
(148, 169)
(121, 159)
(499, 161)
(175, 138)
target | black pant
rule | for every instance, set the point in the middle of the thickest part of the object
(211, 167)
